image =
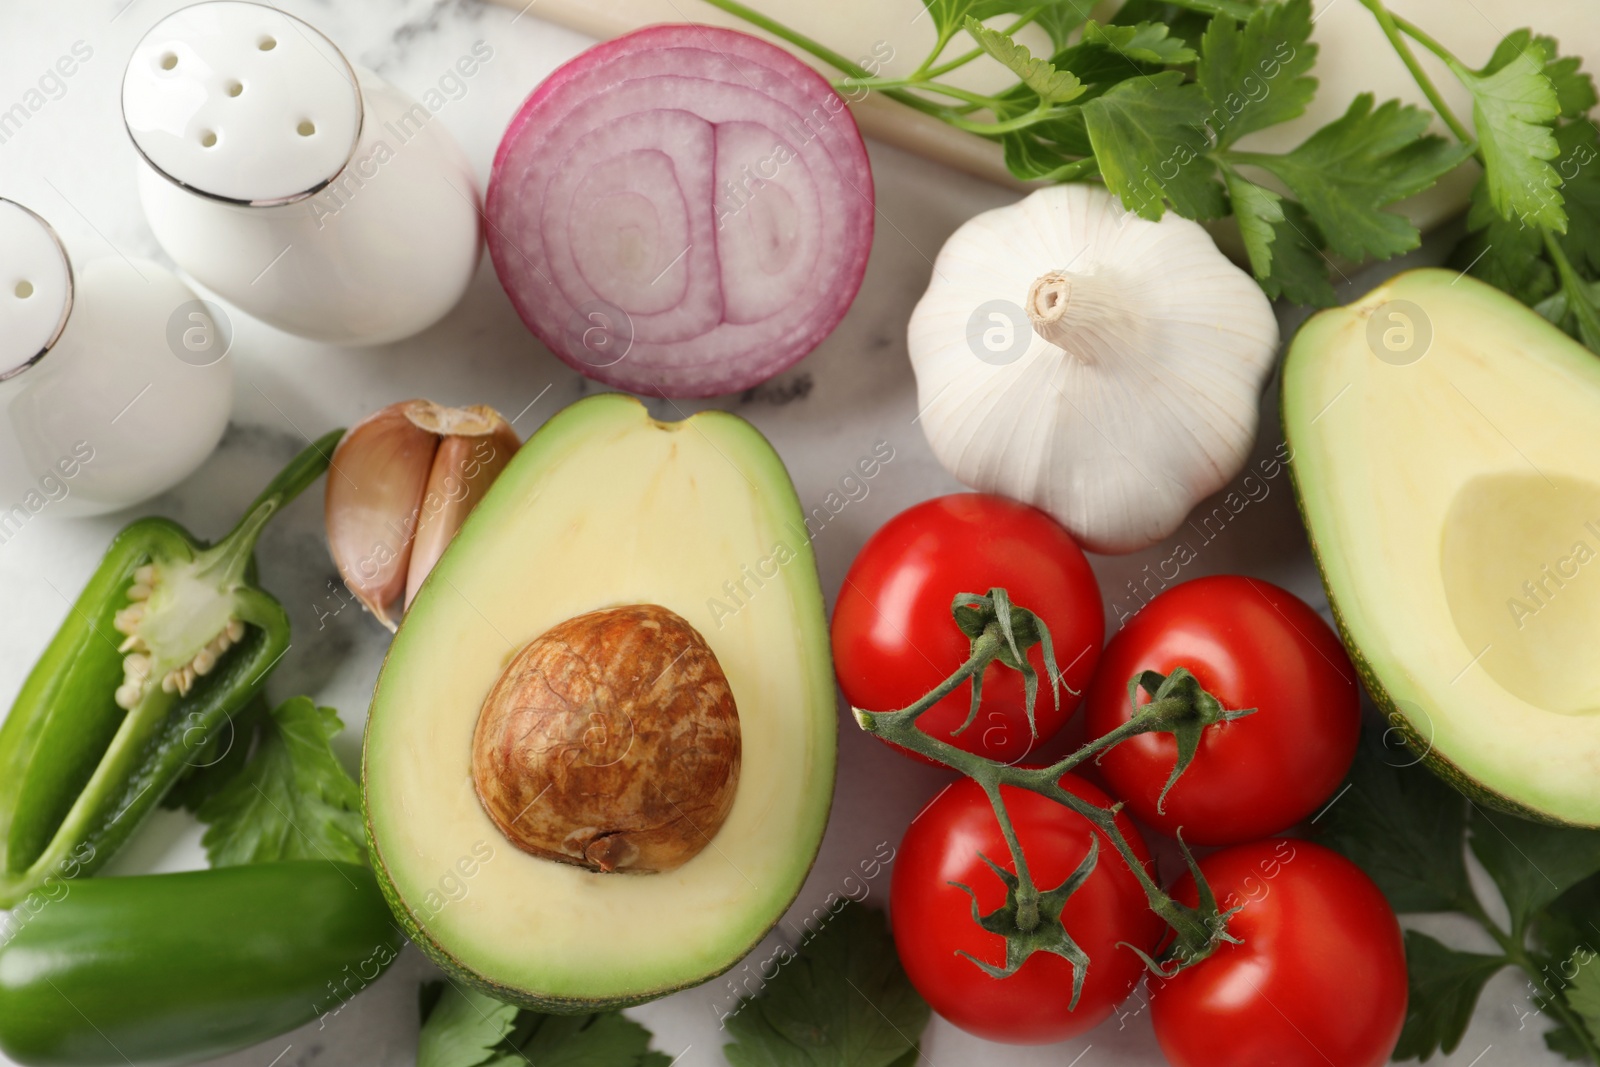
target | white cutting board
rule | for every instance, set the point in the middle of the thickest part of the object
(1354, 58)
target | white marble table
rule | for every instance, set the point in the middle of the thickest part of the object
(72, 162)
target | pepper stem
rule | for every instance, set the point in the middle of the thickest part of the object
(229, 557)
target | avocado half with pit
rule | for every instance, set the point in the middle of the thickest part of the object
(1446, 454)
(600, 755)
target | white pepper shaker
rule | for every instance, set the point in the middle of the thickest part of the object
(114, 381)
(303, 189)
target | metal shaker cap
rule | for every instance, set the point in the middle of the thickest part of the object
(35, 288)
(242, 102)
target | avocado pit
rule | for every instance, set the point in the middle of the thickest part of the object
(611, 741)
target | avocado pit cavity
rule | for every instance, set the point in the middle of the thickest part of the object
(611, 742)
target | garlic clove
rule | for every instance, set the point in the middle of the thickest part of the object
(463, 470)
(375, 488)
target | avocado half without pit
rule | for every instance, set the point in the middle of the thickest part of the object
(1446, 454)
(611, 742)
(600, 755)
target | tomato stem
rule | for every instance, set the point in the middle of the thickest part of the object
(1002, 631)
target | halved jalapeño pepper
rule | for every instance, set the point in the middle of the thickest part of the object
(168, 640)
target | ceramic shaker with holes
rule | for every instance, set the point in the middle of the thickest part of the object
(114, 378)
(295, 185)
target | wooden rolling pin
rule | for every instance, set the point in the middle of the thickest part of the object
(1354, 58)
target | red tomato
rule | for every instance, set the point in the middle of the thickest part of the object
(1318, 981)
(894, 638)
(932, 919)
(1251, 645)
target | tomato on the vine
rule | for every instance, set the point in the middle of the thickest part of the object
(894, 639)
(933, 919)
(1250, 644)
(1319, 976)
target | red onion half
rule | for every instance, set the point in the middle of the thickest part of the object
(683, 211)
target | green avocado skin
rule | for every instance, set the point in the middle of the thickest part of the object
(575, 419)
(167, 969)
(1474, 790)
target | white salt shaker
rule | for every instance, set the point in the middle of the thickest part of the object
(114, 381)
(303, 189)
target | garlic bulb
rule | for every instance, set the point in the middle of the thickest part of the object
(1099, 366)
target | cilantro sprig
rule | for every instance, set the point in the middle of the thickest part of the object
(1534, 224)
(465, 1028)
(1411, 832)
(842, 1001)
(1153, 103)
(290, 800)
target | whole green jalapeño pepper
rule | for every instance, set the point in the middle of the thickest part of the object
(168, 640)
(173, 968)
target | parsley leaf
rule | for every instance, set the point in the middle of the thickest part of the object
(1531, 863)
(1583, 993)
(1506, 253)
(1510, 107)
(1052, 86)
(1404, 827)
(1255, 75)
(843, 1000)
(1281, 241)
(465, 1028)
(292, 801)
(462, 1028)
(950, 16)
(610, 1039)
(1579, 167)
(1574, 89)
(1041, 150)
(1150, 138)
(1444, 986)
(1352, 168)
(1060, 18)
(1144, 42)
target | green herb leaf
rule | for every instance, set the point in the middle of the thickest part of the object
(1034, 154)
(1150, 138)
(1350, 170)
(1144, 42)
(1053, 86)
(463, 1028)
(1282, 243)
(1444, 986)
(949, 16)
(1582, 993)
(292, 801)
(1531, 863)
(1511, 106)
(1579, 168)
(1574, 88)
(1062, 17)
(1259, 211)
(610, 1039)
(843, 1001)
(1404, 827)
(1506, 253)
(1570, 927)
(1562, 1041)
(1255, 75)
